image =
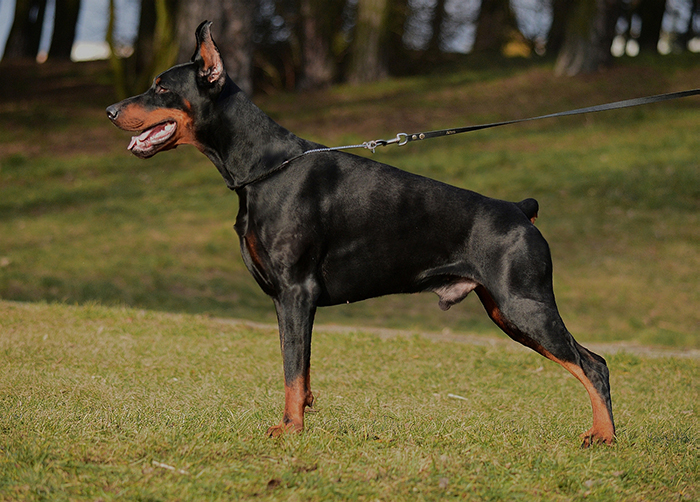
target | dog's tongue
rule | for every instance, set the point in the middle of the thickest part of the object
(152, 136)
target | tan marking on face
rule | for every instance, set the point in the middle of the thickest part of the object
(134, 117)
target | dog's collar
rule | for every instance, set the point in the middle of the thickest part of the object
(400, 139)
(284, 164)
(269, 173)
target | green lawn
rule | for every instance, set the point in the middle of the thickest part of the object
(117, 277)
(81, 220)
(100, 403)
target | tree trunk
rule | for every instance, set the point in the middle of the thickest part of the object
(155, 48)
(25, 35)
(495, 26)
(394, 47)
(317, 64)
(652, 13)
(437, 22)
(165, 36)
(232, 30)
(589, 34)
(65, 21)
(689, 34)
(367, 59)
(141, 62)
(117, 64)
(557, 32)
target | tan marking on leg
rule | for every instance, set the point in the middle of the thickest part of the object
(297, 396)
(603, 429)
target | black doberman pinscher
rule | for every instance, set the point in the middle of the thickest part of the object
(329, 227)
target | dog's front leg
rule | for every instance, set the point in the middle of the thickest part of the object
(295, 314)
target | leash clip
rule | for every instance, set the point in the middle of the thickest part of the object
(372, 145)
(401, 139)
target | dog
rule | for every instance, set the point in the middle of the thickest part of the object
(322, 228)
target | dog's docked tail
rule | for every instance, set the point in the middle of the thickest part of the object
(530, 207)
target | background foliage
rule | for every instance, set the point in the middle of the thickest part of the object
(303, 44)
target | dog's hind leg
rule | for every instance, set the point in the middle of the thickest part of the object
(537, 325)
(296, 309)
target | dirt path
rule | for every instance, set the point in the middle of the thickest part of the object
(484, 341)
(501, 343)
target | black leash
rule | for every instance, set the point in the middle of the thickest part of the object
(403, 138)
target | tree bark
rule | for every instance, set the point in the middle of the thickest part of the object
(394, 46)
(368, 61)
(557, 32)
(165, 36)
(495, 26)
(689, 34)
(318, 69)
(25, 35)
(232, 30)
(589, 34)
(155, 48)
(141, 61)
(65, 22)
(652, 13)
(437, 22)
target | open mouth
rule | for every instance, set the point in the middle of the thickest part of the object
(151, 140)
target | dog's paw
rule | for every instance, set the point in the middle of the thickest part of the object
(593, 436)
(284, 428)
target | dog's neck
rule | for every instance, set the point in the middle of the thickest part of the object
(255, 144)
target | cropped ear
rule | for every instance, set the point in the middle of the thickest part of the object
(207, 55)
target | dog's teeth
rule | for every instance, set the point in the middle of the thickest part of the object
(157, 134)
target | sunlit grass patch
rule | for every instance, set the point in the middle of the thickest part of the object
(124, 404)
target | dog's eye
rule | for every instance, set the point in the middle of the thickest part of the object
(160, 89)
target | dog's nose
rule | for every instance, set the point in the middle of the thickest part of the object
(112, 112)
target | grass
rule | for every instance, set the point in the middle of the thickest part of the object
(84, 221)
(118, 359)
(96, 402)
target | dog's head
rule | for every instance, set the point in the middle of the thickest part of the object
(166, 115)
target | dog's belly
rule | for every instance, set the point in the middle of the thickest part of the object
(450, 290)
(357, 273)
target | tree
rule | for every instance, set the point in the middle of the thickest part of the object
(557, 30)
(155, 50)
(495, 26)
(590, 29)
(65, 22)
(25, 35)
(690, 32)
(232, 30)
(652, 13)
(318, 66)
(143, 61)
(367, 58)
(437, 23)
(395, 25)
